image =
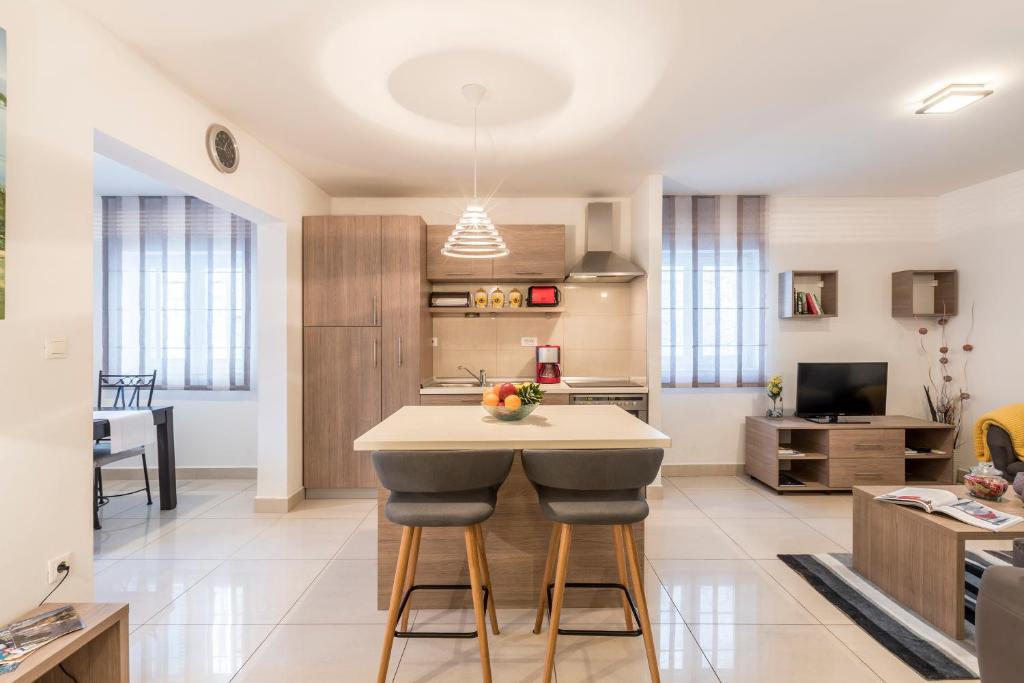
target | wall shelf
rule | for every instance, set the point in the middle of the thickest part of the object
(479, 312)
(924, 293)
(823, 283)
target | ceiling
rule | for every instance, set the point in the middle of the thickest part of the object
(800, 97)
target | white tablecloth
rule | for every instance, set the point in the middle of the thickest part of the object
(128, 428)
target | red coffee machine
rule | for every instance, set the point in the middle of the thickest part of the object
(548, 371)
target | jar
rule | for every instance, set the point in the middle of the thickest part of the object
(497, 298)
(515, 299)
(480, 298)
(986, 482)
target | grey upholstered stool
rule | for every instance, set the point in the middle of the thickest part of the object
(593, 487)
(441, 489)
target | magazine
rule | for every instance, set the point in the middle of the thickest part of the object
(21, 638)
(965, 510)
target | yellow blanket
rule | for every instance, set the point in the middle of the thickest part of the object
(1011, 419)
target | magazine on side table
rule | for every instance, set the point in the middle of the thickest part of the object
(966, 510)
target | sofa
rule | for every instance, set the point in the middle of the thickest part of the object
(1003, 455)
(999, 620)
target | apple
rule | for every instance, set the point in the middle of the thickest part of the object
(506, 390)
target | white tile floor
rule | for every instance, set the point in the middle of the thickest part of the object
(220, 593)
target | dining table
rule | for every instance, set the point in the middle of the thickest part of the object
(163, 419)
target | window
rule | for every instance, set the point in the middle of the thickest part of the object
(713, 291)
(177, 292)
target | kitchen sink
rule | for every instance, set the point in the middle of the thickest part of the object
(458, 382)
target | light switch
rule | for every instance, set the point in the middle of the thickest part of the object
(55, 347)
(433, 341)
(527, 341)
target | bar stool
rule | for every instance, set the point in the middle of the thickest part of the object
(441, 489)
(593, 487)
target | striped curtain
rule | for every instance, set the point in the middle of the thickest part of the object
(177, 292)
(713, 291)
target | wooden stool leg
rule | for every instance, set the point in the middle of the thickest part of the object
(473, 559)
(485, 573)
(620, 564)
(549, 570)
(414, 556)
(641, 601)
(396, 600)
(556, 601)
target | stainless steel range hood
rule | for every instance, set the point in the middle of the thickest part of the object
(599, 262)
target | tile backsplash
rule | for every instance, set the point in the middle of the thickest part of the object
(596, 333)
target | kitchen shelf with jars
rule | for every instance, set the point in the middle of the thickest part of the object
(495, 300)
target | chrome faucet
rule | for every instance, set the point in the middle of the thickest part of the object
(481, 378)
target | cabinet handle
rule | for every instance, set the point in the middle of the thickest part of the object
(399, 352)
(374, 353)
(867, 446)
(528, 272)
(451, 273)
(374, 309)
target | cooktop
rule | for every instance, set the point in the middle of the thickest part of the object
(601, 383)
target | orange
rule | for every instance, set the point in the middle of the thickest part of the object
(513, 402)
(490, 399)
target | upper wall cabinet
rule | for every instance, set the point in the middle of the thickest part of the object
(924, 293)
(536, 253)
(341, 270)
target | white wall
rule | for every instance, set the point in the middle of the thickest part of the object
(865, 239)
(67, 79)
(981, 229)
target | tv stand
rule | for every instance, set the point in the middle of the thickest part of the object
(836, 456)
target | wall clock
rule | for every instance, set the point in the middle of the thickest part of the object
(222, 148)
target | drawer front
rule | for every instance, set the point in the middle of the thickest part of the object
(846, 472)
(865, 443)
(451, 399)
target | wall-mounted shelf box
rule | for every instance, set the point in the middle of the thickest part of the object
(824, 283)
(924, 293)
(479, 312)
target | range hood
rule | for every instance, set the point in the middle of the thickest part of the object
(599, 262)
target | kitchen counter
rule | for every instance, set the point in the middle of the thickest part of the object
(560, 388)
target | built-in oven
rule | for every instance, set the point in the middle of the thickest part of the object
(634, 404)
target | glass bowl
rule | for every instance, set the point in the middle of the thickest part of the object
(986, 487)
(503, 413)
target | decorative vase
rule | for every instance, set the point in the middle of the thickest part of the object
(1018, 485)
(775, 411)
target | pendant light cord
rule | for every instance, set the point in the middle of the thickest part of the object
(475, 194)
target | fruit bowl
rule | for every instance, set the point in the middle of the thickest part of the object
(985, 487)
(508, 415)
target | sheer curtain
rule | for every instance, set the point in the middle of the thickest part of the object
(177, 292)
(713, 291)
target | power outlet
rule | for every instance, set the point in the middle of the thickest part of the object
(433, 341)
(527, 341)
(52, 575)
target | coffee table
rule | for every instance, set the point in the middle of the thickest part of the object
(918, 558)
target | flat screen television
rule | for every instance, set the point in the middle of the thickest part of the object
(824, 391)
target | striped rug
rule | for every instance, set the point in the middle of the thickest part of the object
(931, 653)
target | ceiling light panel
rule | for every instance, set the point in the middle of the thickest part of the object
(954, 97)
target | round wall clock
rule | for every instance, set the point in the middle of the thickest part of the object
(222, 148)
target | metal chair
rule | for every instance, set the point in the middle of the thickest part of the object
(593, 487)
(441, 489)
(128, 392)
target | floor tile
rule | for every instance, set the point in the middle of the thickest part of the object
(779, 654)
(191, 654)
(803, 505)
(149, 585)
(810, 599)
(345, 593)
(727, 503)
(204, 539)
(728, 592)
(334, 507)
(101, 565)
(319, 654)
(189, 504)
(362, 544)
(673, 503)
(686, 538)
(241, 504)
(193, 485)
(624, 660)
(516, 655)
(882, 662)
(767, 538)
(837, 529)
(299, 539)
(685, 484)
(121, 536)
(243, 592)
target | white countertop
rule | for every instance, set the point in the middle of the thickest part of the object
(428, 428)
(560, 388)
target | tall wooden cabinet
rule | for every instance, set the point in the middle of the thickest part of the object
(366, 337)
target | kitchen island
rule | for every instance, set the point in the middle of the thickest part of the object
(517, 535)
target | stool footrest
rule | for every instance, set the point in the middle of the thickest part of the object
(599, 632)
(436, 634)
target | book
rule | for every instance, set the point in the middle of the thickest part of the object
(963, 509)
(818, 310)
(20, 638)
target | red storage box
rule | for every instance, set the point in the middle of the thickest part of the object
(543, 295)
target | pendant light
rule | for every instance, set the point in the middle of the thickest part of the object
(474, 236)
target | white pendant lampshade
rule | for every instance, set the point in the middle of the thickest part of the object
(474, 236)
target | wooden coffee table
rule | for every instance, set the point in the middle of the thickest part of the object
(918, 558)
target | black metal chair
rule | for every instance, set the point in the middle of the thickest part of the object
(128, 392)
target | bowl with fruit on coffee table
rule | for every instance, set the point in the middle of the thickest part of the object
(511, 402)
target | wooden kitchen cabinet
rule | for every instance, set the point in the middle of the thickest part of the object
(536, 253)
(341, 400)
(341, 270)
(441, 268)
